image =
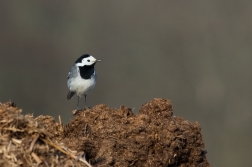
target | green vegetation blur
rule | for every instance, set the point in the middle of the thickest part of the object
(198, 54)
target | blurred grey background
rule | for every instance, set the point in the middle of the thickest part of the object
(196, 53)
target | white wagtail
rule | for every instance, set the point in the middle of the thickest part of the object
(82, 77)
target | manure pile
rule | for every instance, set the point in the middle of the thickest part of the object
(102, 136)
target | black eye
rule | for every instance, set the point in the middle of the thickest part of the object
(88, 60)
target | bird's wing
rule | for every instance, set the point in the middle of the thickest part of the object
(73, 72)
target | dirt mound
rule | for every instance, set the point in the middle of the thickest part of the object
(25, 142)
(106, 137)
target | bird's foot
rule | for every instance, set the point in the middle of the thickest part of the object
(79, 110)
(86, 107)
(76, 111)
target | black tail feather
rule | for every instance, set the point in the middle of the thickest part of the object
(70, 95)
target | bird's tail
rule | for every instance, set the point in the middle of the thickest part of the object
(70, 95)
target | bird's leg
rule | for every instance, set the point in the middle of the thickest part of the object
(78, 103)
(86, 101)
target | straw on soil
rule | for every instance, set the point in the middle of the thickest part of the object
(25, 142)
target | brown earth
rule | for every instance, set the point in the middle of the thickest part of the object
(102, 136)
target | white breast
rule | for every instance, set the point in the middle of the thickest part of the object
(81, 86)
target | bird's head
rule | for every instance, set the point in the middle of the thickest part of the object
(86, 60)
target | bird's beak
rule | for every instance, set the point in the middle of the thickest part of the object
(98, 60)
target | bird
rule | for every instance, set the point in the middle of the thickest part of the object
(82, 77)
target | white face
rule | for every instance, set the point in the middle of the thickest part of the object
(87, 61)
